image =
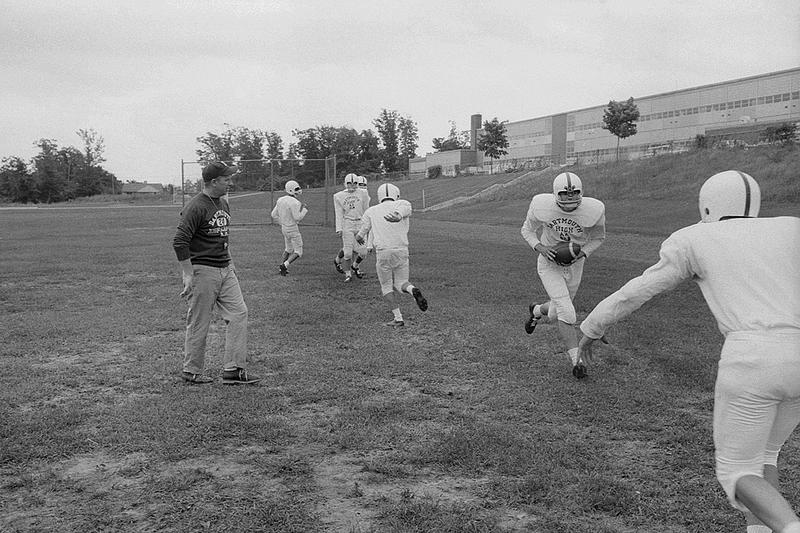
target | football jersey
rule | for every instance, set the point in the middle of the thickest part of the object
(387, 235)
(349, 205)
(548, 224)
(746, 269)
(288, 211)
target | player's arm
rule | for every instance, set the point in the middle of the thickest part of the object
(364, 230)
(672, 268)
(299, 211)
(187, 227)
(402, 210)
(530, 232)
(596, 235)
(338, 210)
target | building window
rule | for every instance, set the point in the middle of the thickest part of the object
(787, 97)
(760, 100)
(796, 95)
(767, 99)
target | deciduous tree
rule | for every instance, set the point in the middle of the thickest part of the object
(454, 141)
(493, 141)
(620, 118)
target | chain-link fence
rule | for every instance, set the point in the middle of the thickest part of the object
(260, 182)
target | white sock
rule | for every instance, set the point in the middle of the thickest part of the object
(537, 311)
(409, 288)
(573, 355)
(397, 315)
(794, 527)
(286, 264)
(758, 529)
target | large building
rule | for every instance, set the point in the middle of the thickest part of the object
(668, 122)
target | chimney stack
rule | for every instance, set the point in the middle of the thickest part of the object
(476, 124)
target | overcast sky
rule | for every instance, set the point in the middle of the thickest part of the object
(150, 76)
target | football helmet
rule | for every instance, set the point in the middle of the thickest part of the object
(729, 194)
(387, 191)
(293, 188)
(568, 191)
(362, 182)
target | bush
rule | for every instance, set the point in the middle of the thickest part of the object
(434, 172)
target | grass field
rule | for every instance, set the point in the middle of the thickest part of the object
(459, 422)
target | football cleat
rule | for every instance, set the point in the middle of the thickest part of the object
(579, 371)
(422, 303)
(530, 324)
(283, 269)
(395, 323)
(357, 272)
(338, 266)
(348, 279)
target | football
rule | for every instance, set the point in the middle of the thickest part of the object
(566, 252)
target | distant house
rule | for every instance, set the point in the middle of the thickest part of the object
(140, 190)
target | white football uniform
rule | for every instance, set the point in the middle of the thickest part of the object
(747, 271)
(288, 211)
(548, 224)
(349, 207)
(390, 240)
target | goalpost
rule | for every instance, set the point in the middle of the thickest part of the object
(267, 177)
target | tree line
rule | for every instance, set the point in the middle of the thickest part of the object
(61, 173)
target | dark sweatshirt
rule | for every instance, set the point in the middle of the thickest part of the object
(202, 234)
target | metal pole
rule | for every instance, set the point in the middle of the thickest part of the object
(423, 198)
(183, 186)
(271, 189)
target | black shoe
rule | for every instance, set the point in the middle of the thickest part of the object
(197, 379)
(530, 324)
(395, 323)
(238, 377)
(338, 266)
(422, 303)
(283, 269)
(357, 272)
(579, 371)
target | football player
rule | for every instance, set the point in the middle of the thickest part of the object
(746, 268)
(349, 205)
(563, 216)
(288, 211)
(386, 224)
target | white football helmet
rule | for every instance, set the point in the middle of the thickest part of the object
(568, 191)
(362, 182)
(387, 191)
(292, 187)
(350, 179)
(729, 194)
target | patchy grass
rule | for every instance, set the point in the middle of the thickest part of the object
(459, 422)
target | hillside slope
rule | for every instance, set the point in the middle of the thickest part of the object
(651, 196)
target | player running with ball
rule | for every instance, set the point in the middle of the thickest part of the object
(563, 216)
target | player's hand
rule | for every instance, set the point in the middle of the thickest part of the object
(359, 239)
(188, 280)
(585, 352)
(303, 206)
(369, 250)
(339, 233)
(546, 251)
(394, 216)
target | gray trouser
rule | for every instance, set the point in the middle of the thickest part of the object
(215, 287)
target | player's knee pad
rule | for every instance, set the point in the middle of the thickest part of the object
(729, 473)
(565, 311)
